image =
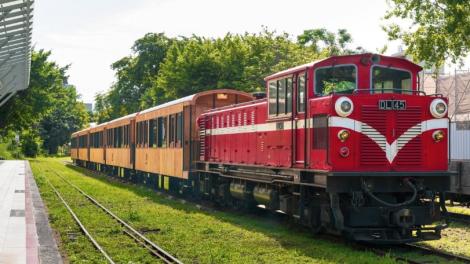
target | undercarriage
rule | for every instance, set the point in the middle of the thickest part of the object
(367, 207)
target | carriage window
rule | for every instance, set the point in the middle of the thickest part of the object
(162, 132)
(387, 80)
(179, 128)
(273, 98)
(301, 93)
(171, 131)
(338, 79)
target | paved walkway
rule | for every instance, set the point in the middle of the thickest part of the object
(22, 215)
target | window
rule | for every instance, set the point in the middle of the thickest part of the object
(301, 93)
(387, 80)
(281, 105)
(179, 129)
(338, 79)
(320, 132)
(96, 140)
(273, 98)
(153, 133)
(82, 141)
(280, 97)
(162, 123)
(171, 132)
(288, 96)
(146, 133)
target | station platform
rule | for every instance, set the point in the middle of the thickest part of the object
(25, 234)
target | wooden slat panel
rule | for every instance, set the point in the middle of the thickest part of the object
(165, 161)
(118, 157)
(96, 155)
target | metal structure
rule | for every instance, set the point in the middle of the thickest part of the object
(15, 46)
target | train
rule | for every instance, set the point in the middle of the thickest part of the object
(347, 145)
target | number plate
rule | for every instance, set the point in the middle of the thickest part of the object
(392, 104)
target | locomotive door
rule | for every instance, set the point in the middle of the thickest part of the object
(300, 121)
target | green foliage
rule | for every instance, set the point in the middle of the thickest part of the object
(67, 117)
(163, 69)
(48, 108)
(30, 143)
(439, 30)
(335, 44)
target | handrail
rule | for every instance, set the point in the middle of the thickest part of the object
(378, 91)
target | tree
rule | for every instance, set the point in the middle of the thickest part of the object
(136, 74)
(162, 69)
(335, 44)
(31, 105)
(68, 116)
(439, 30)
(48, 111)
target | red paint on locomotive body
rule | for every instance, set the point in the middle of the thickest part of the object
(390, 126)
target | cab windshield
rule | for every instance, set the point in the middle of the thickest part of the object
(388, 80)
(335, 79)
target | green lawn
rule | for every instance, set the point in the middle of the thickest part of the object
(190, 234)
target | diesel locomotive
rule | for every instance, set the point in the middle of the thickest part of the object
(347, 145)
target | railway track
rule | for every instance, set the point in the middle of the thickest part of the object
(462, 218)
(138, 237)
(395, 252)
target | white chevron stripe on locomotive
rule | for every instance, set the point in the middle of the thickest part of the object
(391, 150)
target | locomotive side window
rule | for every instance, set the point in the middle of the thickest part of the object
(388, 80)
(273, 98)
(281, 105)
(288, 96)
(280, 97)
(338, 79)
(301, 93)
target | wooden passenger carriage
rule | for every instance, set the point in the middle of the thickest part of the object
(160, 141)
(167, 136)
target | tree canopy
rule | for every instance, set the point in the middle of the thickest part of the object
(439, 29)
(48, 111)
(161, 68)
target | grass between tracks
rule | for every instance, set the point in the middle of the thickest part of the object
(188, 233)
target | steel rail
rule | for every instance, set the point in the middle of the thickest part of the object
(82, 227)
(156, 250)
(439, 253)
(463, 218)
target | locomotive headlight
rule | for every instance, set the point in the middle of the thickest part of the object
(438, 108)
(343, 135)
(344, 106)
(438, 135)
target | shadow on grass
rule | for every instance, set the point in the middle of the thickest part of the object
(289, 237)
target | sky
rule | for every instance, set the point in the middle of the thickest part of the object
(92, 34)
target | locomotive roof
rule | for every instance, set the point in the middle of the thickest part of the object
(313, 63)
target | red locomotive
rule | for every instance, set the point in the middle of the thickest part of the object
(347, 144)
